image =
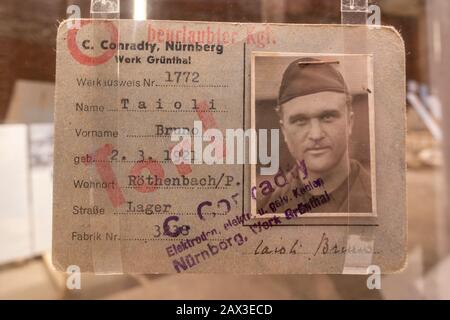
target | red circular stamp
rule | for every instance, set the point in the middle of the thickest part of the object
(81, 57)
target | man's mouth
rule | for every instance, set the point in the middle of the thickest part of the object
(318, 151)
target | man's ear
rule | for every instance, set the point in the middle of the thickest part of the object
(280, 116)
(351, 119)
(282, 129)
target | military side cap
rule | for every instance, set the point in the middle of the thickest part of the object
(308, 76)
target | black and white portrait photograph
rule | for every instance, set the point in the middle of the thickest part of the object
(323, 107)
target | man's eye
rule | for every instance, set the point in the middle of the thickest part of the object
(328, 117)
(300, 122)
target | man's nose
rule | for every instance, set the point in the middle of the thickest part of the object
(315, 130)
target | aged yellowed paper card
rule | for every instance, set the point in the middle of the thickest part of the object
(205, 147)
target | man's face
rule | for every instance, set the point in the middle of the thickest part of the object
(316, 128)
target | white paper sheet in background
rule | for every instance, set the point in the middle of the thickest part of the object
(41, 179)
(25, 190)
(26, 183)
(15, 226)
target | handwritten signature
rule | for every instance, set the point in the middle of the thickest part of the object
(325, 247)
(282, 250)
